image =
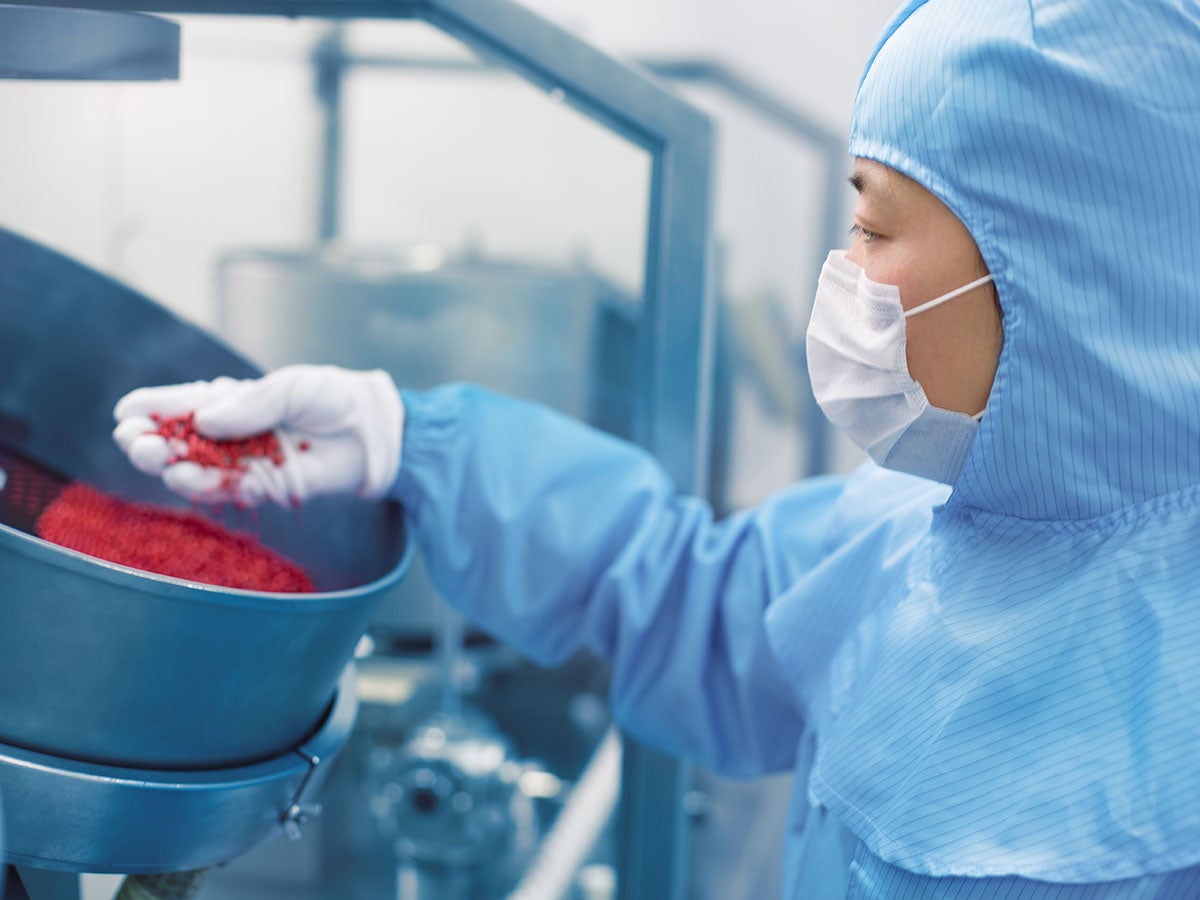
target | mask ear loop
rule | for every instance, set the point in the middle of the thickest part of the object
(938, 301)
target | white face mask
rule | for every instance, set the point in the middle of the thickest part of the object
(859, 374)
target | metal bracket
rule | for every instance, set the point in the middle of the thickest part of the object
(299, 812)
(319, 750)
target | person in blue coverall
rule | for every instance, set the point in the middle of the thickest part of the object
(979, 653)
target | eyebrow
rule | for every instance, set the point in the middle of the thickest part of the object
(875, 190)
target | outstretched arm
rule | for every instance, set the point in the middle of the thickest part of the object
(550, 534)
(556, 537)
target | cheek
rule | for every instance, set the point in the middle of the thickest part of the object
(890, 262)
(952, 351)
(921, 349)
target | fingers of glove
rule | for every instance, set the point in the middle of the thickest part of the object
(130, 429)
(171, 400)
(259, 482)
(325, 465)
(149, 451)
(353, 423)
(263, 480)
(252, 407)
(248, 410)
(316, 399)
(201, 484)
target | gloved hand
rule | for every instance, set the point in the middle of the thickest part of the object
(338, 431)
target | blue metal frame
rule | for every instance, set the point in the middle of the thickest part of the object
(675, 330)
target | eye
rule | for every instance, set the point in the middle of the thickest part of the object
(858, 231)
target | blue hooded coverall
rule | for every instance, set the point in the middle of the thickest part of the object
(992, 691)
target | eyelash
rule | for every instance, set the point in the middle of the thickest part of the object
(857, 230)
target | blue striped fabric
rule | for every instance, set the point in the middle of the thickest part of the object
(870, 878)
(1025, 698)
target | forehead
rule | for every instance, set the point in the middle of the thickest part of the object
(881, 186)
(872, 179)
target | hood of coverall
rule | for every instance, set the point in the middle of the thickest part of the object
(1066, 137)
(1014, 688)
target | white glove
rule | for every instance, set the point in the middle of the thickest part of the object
(339, 431)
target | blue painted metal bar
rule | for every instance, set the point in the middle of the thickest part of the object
(748, 93)
(329, 60)
(649, 779)
(676, 333)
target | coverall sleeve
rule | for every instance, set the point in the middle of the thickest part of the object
(555, 537)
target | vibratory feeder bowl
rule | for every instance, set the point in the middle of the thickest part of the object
(150, 723)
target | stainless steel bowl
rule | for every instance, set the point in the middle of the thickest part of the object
(107, 664)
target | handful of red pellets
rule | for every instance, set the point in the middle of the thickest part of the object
(231, 454)
(166, 541)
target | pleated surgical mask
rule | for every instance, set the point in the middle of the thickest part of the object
(859, 373)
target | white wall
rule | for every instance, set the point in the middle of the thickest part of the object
(810, 52)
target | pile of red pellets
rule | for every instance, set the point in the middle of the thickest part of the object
(166, 541)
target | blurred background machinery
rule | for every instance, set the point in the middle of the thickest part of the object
(472, 194)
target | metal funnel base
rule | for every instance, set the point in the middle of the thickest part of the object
(81, 817)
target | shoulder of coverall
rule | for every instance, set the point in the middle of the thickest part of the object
(1063, 133)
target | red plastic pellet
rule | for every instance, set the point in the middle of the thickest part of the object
(166, 541)
(232, 454)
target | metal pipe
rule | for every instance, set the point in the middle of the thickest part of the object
(451, 629)
(330, 60)
(578, 827)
